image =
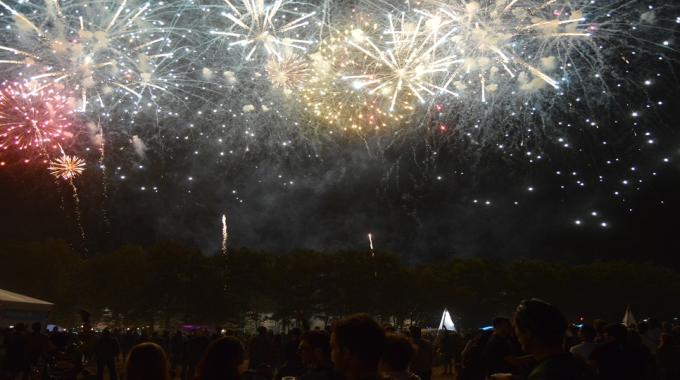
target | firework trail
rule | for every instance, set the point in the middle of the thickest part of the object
(370, 244)
(225, 234)
(68, 168)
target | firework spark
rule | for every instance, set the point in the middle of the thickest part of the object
(327, 95)
(33, 118)
(406, 61)
(288, 74)
(67, 167)
(514, 48)
(107, 52)
(255, 25)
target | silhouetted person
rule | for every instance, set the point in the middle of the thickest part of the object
(617, 358)
(447, 349)
(421, 364)
(315, 353)
(472, 357)
(176, 350)
(16, 359)
(600, 326)
(292, 365)
(357, 343)
(221, 360)
(584, 349)
(37, 344)
(668, 357)
(260, 349)
(127, 341)
(397, 356)
(147, 361)
(540, 329)
(106, 350)
(501, 348)
(193, 351)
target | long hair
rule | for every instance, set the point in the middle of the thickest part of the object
(147, 361)
(221, 360)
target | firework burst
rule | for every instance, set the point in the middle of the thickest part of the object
(273, 27)
(330, 97)
(516, 48)
(288, 74)
(404, 61)
(107, 51)
(33, 118)
(66, 167)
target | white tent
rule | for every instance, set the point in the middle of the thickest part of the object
(16, 308)
(628, 318)
(447, 322)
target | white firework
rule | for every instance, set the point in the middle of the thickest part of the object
(405, 59)
(273, 27)
(106, 51)
(514, 46)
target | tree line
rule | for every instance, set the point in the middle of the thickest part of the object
(169, 283)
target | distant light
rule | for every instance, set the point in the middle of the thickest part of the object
(577, 222)
(530, 188)
(604, 224)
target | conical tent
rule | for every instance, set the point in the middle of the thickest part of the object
(628, 318)
(447, 322)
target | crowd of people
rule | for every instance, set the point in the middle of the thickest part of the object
(537, 343)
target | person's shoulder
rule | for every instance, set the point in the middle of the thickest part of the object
(562, 367)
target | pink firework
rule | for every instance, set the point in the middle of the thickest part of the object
(33, 118)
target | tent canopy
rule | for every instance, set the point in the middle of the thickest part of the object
(447, 322)
(628, 318)
(15, 301)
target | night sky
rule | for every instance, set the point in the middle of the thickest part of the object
(542, 176)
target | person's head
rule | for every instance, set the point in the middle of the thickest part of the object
(616, 332)
(389, 328)
(357, 343)
(416, 332)
(147, 361)
(106, 333)
(666, 339)
(587, 333)
(262, 330)
(600, 325)
(315, 349)
(539, 326)
(653, 323)
(36, 327)
(502, 327)
(221, 360)
(295, 333)
(642, 327)
(398, 353)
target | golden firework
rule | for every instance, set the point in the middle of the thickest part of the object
(67, 167)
